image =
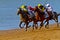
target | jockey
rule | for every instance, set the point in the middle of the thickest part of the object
(31, 11)
(25, 9)
(43, 10)
(41, 7)
(30, 8)
(49, 10)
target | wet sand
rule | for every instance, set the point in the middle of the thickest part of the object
(53, 33)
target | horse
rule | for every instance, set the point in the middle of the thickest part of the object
(25, 18)
(54, 17)
(40, 16)
(58, 14)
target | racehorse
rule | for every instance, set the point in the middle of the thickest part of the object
(24, 18)
(54, 17)
(40, 16)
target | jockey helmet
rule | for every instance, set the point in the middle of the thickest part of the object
(23, 6)
(39, 5)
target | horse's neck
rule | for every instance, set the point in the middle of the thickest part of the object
(38, 11)
(21, 15)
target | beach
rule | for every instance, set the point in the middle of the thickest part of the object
(53, 33)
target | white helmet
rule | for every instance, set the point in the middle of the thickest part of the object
(47, 4)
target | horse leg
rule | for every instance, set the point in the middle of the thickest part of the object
(57, 23)
(20, 24)
(47, 25)
(33, 26)
(56, 18)
(41, 25)
(29, 25)
(26, 26)
(36, 25)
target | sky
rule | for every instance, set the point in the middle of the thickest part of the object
(8, 10)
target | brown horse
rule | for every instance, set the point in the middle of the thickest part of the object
(25, 18)
(40, 16)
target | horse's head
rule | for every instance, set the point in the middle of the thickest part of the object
(19, 11)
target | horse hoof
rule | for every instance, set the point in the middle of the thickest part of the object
(36, 27)
(33, 28)
(47, 27)
(39, 28)
(25, 30)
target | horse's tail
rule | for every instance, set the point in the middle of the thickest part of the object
(58, 14)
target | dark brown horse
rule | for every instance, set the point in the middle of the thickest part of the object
(25, 18)
(40, 16)
(54, 17)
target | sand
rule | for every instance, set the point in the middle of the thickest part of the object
(53, 33)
